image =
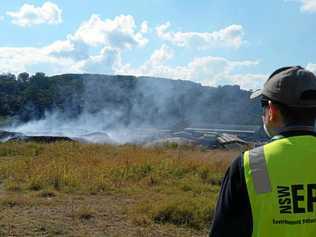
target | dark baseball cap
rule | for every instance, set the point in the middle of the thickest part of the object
(292, 86)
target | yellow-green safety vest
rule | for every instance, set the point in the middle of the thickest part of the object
(281, 183)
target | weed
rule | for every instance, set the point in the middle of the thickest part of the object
(15, 200)
(85, 213)
(188, 211)
(47, 194)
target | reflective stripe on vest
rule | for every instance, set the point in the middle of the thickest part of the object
(259, 170)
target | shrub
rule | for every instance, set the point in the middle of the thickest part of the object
(195, 212)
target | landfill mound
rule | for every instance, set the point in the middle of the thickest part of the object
(211, 138)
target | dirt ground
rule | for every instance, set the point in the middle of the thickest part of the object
(55, 214)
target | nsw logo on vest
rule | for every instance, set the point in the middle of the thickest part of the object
(297, 198)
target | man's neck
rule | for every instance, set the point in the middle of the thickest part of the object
(294, 127)
(292, 133)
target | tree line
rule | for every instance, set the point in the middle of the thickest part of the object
(139, 100)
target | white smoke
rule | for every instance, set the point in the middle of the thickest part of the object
(127, 109)
(102, 122)
(88, 127)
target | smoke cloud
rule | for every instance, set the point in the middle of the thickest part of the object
(126, 109)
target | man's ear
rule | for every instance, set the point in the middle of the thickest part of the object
(273, 112)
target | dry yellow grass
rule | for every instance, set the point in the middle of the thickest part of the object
(151, 190)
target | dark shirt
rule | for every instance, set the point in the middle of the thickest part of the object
(232, 215)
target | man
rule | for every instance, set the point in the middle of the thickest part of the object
(270, 191)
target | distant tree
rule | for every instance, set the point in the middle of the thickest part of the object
(39, 75)
(129, 100)
(7, 76)
(23, 77)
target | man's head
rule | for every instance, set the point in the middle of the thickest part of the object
(288, 99)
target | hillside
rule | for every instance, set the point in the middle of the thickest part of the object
(124, 101)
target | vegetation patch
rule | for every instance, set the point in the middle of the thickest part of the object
(14, 200)
(161, 187)
(47, 194)
(180, 210)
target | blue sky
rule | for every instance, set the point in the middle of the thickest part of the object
(212, 42)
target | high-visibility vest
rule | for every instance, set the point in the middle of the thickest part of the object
(281, 183)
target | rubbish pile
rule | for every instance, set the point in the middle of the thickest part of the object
(210, 138)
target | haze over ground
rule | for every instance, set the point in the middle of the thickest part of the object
(127, 108)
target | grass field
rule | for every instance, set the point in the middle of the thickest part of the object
(72, 189)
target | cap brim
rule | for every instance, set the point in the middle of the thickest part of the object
(256, 94)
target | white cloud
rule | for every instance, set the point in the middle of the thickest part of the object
(144, 27)
(117, 33)
(209, 70)
(161, 55)
(29, 15)
(16, 60)
(311, 67)
(76, 50)
(77, 53)
(212, 71)
(1, 18)
(308, 6)
(60, 46)
(249, 81)
(109, 38)
(231, 36)
(106, 62)
(47, 59)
